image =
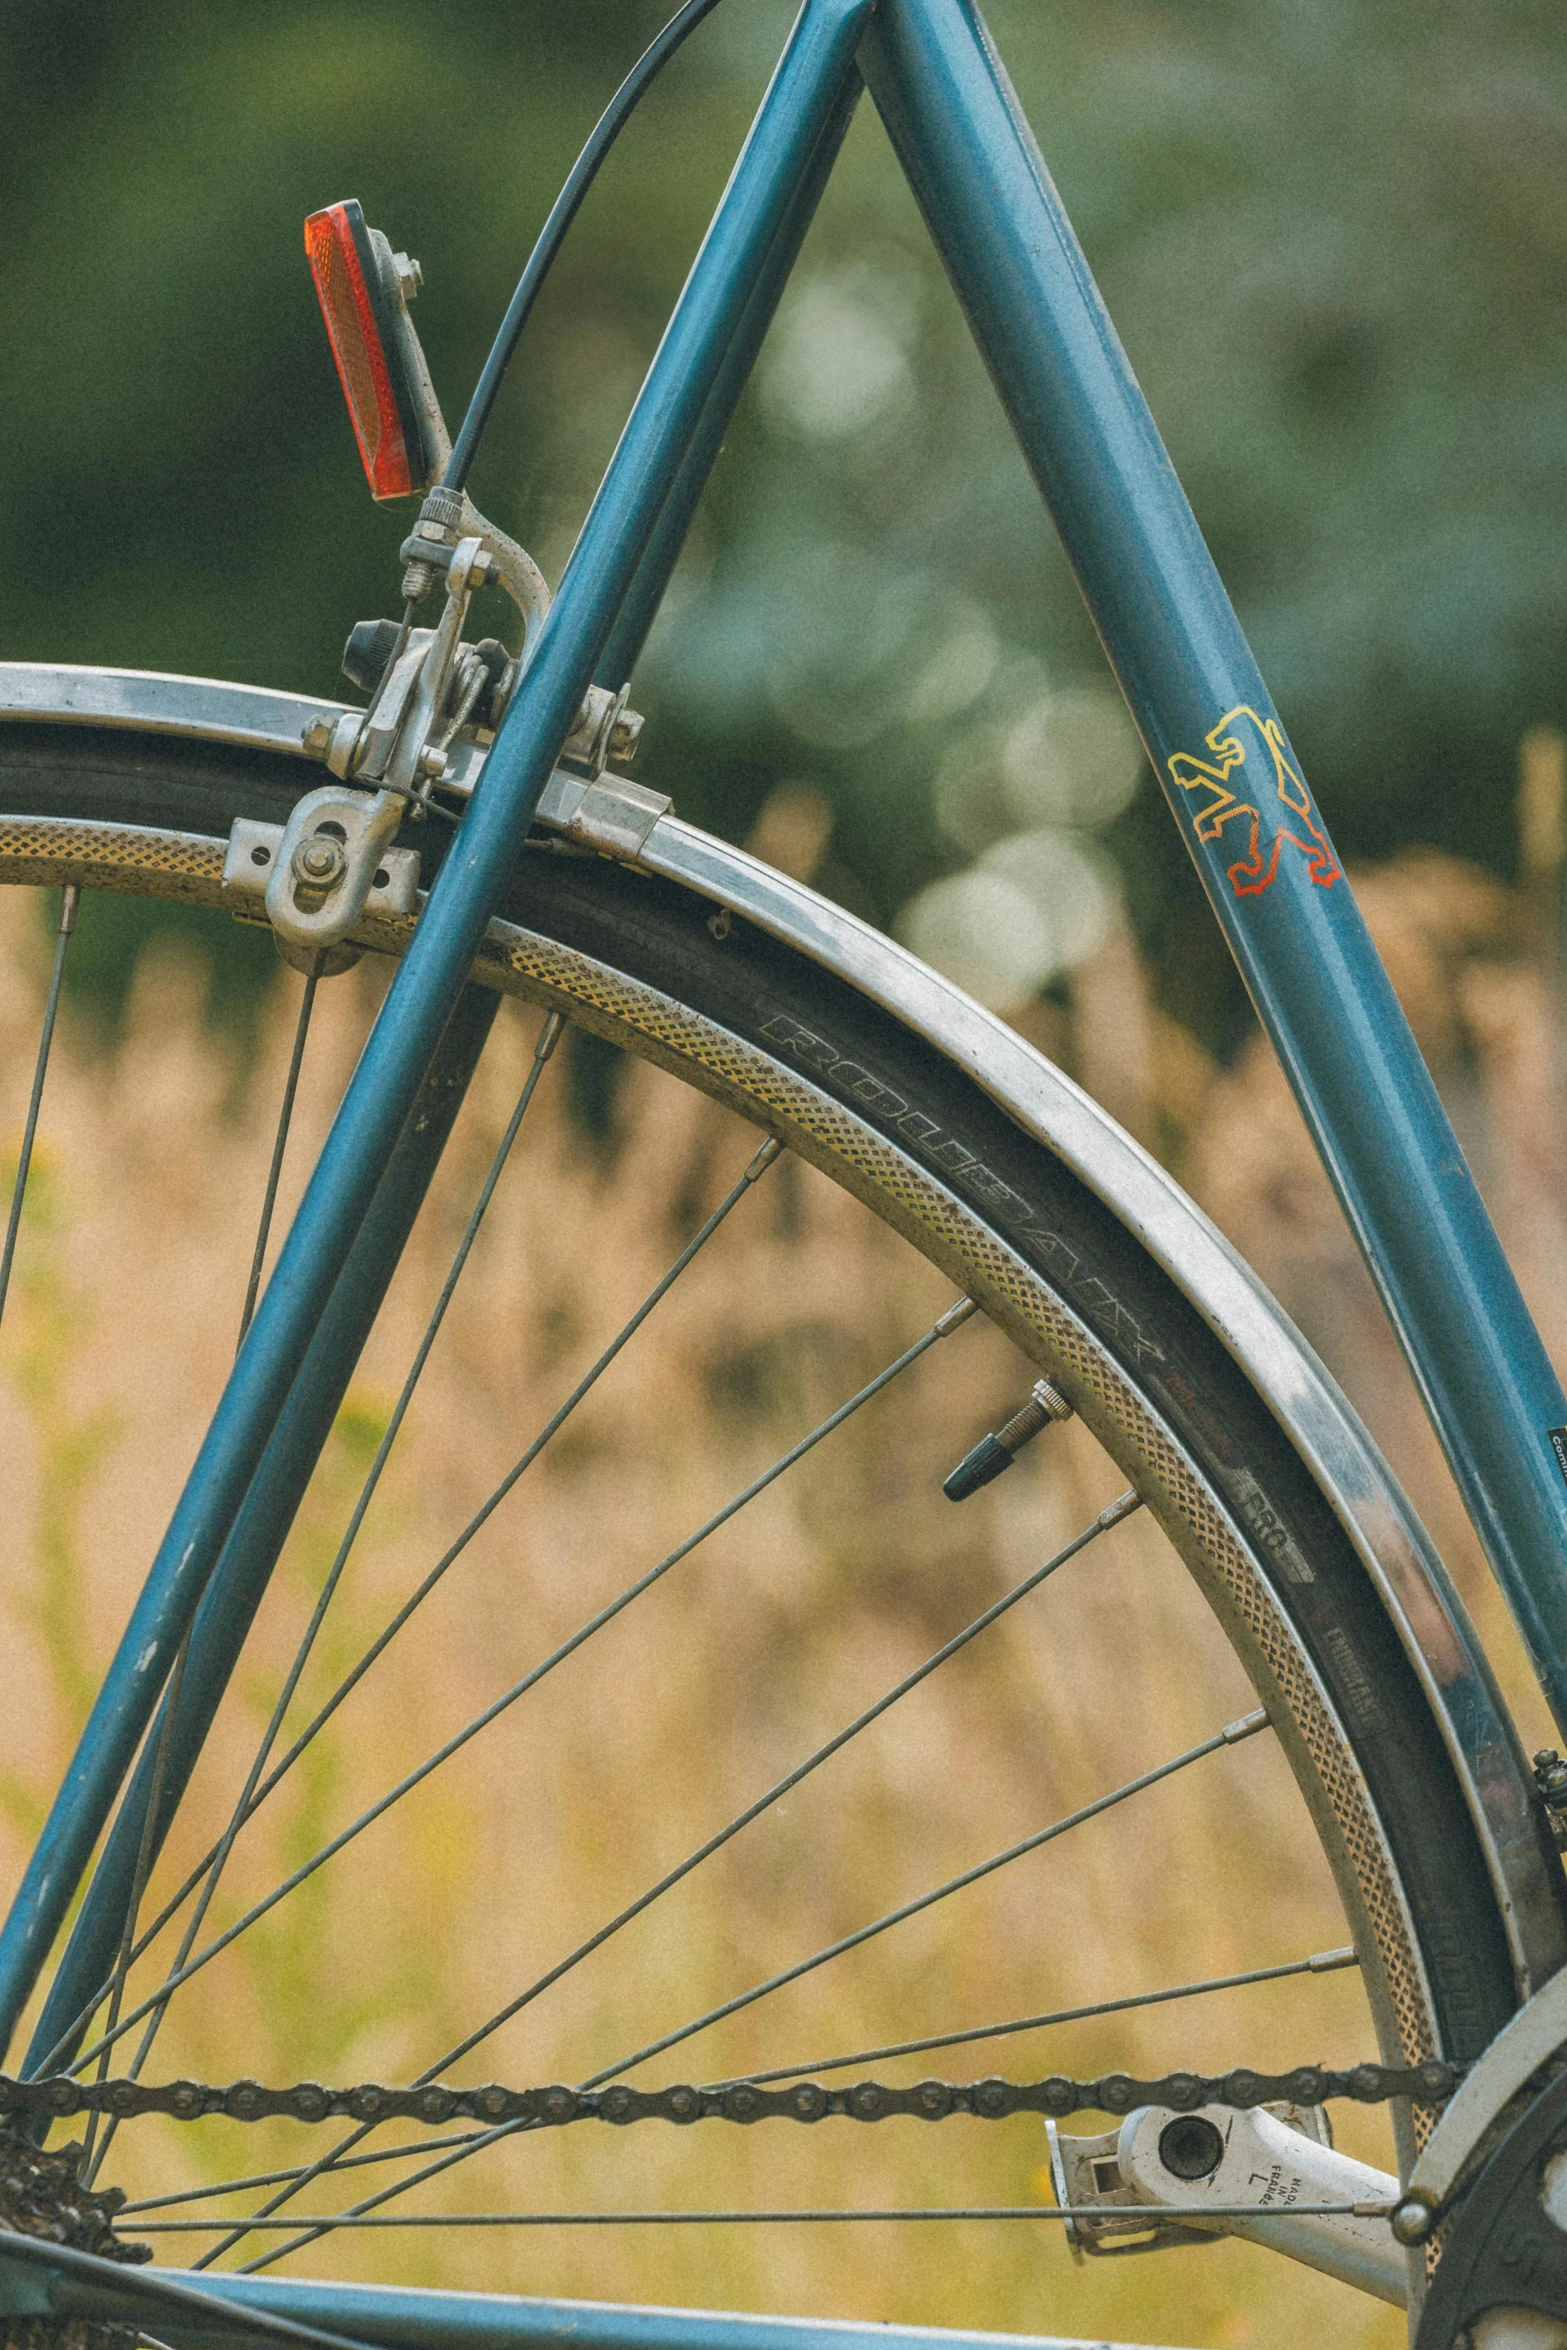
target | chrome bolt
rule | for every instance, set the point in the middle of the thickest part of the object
(410, 277)
(624, 736)
(320, 861)
(432, 762)
(317, 737)
(1413, 2220)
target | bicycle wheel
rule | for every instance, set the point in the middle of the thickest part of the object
(1236, 1733)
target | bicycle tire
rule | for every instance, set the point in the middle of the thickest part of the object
(726, 1007)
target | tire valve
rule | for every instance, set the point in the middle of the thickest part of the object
(997, 1451)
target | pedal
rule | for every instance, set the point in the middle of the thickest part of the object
(1153, 2176)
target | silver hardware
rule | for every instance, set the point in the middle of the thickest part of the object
(1084, 2171)
(447, 517)
(605, 730)
(320, 862)
(253, 851)
(1233, 1733)
(1153, 2176)
(314, 866)
(403, 767)
(1413, 1586)
(1414, 2219)
(612, 814)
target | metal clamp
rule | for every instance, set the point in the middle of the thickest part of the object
(611, 814)
(605, 730)
(302, 872)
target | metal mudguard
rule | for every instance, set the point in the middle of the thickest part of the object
(637, 826)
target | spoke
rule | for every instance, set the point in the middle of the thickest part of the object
(758, 1166)
(70, 899)
(87, 2169)
(763, 1159)
(279, 1145)
(217, 1860)
(1233, 1734)
(326, 2222)
(313, 2230)
(953, 1319)
(949, 1322)
(1322, 1962)
(281, 2178)
(1123, 1508)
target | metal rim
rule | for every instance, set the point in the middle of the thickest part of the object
(1305, 1401)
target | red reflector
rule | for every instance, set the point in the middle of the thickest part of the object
(361, 325)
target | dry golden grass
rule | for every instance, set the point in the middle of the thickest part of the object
(780, 1628)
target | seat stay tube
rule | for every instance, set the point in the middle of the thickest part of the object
(802, 99)
(1237, 794)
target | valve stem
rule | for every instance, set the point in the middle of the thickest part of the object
(997, 1451)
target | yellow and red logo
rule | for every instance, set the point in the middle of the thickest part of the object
(1252, 874)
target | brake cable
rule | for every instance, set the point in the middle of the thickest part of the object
(562, 213)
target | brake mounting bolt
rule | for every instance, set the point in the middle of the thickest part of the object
(624, 736)
(320, 861)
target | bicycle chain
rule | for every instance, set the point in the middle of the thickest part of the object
(59, 2096)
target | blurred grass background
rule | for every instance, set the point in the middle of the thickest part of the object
(1334, 239)
(767, 1639)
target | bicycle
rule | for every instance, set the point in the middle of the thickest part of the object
(478, 831)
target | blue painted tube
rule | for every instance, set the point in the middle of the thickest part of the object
(798, 104)
(240, 1578)
(1237, 793)
(408, 2318)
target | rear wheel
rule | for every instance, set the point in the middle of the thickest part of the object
(781, 1418)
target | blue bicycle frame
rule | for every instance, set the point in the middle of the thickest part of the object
(1213, 737)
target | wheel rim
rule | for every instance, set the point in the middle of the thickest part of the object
(1014, 1296)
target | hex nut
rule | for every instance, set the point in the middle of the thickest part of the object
(320, 861)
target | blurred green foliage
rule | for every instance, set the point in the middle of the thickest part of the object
(1333, 234)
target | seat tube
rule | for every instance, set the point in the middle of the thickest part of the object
(1237, 793)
